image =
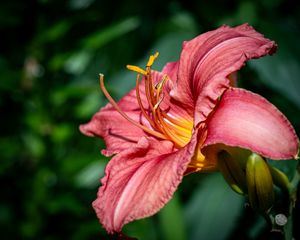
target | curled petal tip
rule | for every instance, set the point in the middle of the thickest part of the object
(85, 129)
(207, 60)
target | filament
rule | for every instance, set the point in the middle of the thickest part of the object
(138, 96)
(115, 105)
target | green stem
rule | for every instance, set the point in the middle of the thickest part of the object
(288, 228)
(295, 182)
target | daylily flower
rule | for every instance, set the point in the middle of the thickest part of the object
(171, 123)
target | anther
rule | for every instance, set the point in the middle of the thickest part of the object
(152, 59)
(160, 84)
(137, 69)
(159, 102)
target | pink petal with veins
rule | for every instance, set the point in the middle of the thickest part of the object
(207, 60)
(247, 120)
(120, 134)
(117, 132)
(139, 181)
(171, 69)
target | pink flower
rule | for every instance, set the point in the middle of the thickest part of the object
(161, 130)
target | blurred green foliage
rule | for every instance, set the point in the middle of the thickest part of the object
(50, 55)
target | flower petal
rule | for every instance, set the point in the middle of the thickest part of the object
(171, 69)
(139, 181)
(120, 134)
(117, 132)
(207, 61)
(247, 120)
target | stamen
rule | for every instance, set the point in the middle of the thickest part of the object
(138, 96)
(158, 102)
(162, 124)
(159, 87)
(160, 84)
(178, 141)
(152, 59)
(115, 105)
(136, 69)
(150, 99)
(150, 86)
(149, 94)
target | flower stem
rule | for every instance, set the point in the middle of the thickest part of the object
(288, 228)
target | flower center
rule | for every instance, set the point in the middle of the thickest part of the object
(161, 124)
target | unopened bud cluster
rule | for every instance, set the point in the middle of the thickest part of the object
(249, 174)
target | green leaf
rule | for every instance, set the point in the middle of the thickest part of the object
(287, 166)
(282, 74)
(143, 229)
(78, 62)
(171, 220)
(89, 176)
(89, 105)
(213, 211)
(103, 36)
(282, 70)
(56, 31)
(80, 4)
(259, 225)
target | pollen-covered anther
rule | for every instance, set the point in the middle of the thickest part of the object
(148, 66)
(136, 69)
(152, 59)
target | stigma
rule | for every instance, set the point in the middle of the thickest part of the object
(160, 124)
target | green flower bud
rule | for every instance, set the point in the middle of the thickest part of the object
(260, 183)
(232, 172)
(280, 179)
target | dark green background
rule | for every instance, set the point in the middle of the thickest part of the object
(51, 53)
